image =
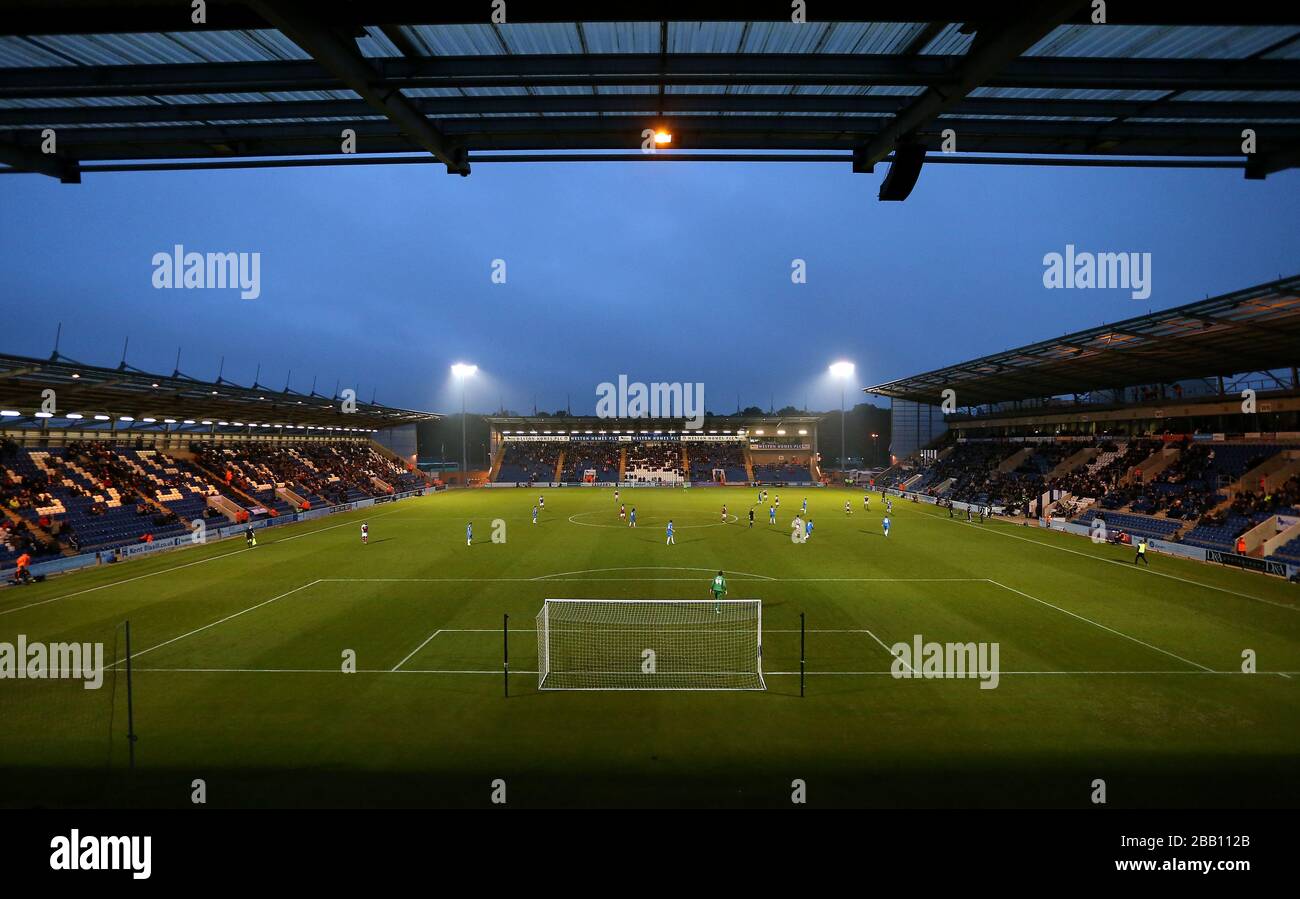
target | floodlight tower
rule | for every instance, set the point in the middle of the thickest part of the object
(463, 372)
(842, 372)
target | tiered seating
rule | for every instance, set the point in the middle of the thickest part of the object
(1218, 533)
(1138, 525)
(86, 495)
(653, 463)
(91, 495)
(1248, 509)
(602, 458)
(727, 456)
(174, 484)
(529, 462)
(971, 466)
(1288, 552)
(782, 472)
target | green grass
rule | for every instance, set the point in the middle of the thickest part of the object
(1132, 676)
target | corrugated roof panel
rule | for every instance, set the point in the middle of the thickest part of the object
(1161, 41)
(704, 37)
(653, 88)
(894, 90)
(1053, 93)
(465, 92)
(621, 37)
(563, 91)
(374, 43)
(1242, 97)
(21, 52)
(548, 37)
(456, 40)
(169, 47)
(949, 42)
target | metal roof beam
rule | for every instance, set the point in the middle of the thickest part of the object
(540, 70)
(351, 68)
(991, 50)
(29, 160)
(31, 117)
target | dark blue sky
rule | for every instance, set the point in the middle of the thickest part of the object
(380, 276)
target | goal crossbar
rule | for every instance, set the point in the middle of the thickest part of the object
(650, 644)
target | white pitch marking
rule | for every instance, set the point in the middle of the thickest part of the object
(558, 574)
(215, 623)
(186, 565)
(1125, 565)
(1102, 626)
(890, 651)
(417, 649)
(498, 671)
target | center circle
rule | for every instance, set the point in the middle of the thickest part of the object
(655, 520)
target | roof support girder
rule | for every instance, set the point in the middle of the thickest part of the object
(351, 68)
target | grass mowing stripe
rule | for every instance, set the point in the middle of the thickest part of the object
(1102, 626)
(215, 623)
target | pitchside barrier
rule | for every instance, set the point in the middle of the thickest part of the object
(1246, 563)
(132, 550)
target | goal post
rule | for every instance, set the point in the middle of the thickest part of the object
(650, 644)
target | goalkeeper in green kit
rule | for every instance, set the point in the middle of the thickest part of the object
(719, 588)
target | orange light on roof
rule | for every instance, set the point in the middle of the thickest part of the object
(663, 137)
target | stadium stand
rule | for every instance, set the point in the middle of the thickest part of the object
(91, 495)
(782, 473)
(529, 463)
(707, 458)
(653, 463)
(603, 460)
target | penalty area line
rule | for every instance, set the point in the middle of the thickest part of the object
(197, 630)
(1102, 626)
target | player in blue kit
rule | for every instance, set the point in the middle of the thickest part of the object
(885, 524)
(771, 514)
(631, 521)
(671, 541)
(469, 532)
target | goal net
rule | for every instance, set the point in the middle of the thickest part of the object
(650, 644)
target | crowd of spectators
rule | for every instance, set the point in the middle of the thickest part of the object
(529, 462)
(652, 463)
(725, 456)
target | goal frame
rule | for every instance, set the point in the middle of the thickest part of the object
(543, 647)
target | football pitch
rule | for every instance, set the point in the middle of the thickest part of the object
(1107, 672)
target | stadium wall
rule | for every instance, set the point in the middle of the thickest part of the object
(913, 426)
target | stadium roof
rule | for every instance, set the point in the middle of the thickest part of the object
(130, 395)
(273, 82)
(543, 424)
(1256, 329)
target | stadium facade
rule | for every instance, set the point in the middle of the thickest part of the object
(99, 464)
(643, 452)
(1181, 427)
